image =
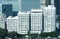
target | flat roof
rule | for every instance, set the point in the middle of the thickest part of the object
(11, 17)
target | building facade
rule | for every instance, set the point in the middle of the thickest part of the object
(12, 24)
(36, 21)
(49, 18)
(23, 22)
(7, 9)
(2, 20)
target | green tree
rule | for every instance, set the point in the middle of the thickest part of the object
(21, 35)
(33, 36)
(51, 34)
(12, 34)
(2, 33)
(44, 34)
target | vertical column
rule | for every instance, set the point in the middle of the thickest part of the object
(48, 2)
(19, 2)
(52, 2)
(42, 3)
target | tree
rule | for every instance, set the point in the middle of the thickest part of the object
(51, 34)
(44, 34)
(21, 35)
(12, 34)
(2, 32)
(33, 36)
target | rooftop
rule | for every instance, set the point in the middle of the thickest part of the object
(36, 10)
(11, 17)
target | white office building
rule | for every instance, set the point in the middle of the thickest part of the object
(23, 22)
(49, 18)
(36, 21)
(2, 20)
(12, 23)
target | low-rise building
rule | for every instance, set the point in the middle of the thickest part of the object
(12, 23)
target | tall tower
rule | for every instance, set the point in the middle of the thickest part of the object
(48, 2)
(52, 2)
(44, 2)
(19, 5)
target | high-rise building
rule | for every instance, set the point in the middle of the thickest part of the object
(23, 22)
(49, 18)
(52, 2)
(12, 23)
(48, 2)
(9, 7)
(57, 4)
(36, 21)
(14, 3)
(6, 9)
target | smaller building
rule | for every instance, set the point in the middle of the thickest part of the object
(12, 23)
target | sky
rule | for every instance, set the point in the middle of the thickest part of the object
(27, 5)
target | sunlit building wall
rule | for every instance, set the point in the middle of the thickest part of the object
(36, 21)
(23, 22)
(12, 24)
(2, 20)
(49, 18)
